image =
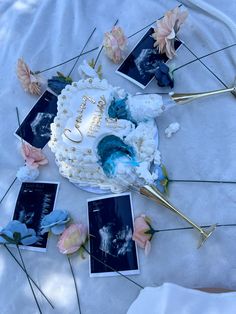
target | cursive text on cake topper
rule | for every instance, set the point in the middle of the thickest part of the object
(97, 117)
(78, 120)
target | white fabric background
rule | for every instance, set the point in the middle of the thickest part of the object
(48, 32)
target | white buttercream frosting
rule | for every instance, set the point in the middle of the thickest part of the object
(172, 128)
(78, 161)
(144, 107)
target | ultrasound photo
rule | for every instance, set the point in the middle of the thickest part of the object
(35, 129)
(35, 200)
(111, 229)
(139, 67)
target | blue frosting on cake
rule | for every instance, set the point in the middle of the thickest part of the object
(118, 109)
(111, 150)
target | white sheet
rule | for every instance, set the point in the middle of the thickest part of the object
(170, 298)
(48, 32)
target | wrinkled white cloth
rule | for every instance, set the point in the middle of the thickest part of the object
(48, 32)
(170, 298)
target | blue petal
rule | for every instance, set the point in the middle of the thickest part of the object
(8, 233)
(45, 230)
(30, 240)
(54, 217)
(164, 68)
(58, 229)
(17, 226)
(2, 241)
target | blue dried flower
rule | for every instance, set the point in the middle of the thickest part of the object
(17, 233)
(164, 76)
(59, 82)
(162, 180)
(55, 222)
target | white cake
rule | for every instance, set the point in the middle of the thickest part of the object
(82, 122)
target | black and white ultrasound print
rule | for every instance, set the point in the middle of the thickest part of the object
(35, 129)
(140, 65)
(35, 200)
(111, 229)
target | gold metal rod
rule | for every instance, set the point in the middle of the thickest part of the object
(153, 193)
(182, 98)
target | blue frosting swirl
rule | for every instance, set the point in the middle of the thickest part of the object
(110, 150)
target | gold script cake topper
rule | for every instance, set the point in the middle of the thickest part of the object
(78, 120)
(97, 117)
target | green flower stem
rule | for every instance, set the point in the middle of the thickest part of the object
(200, 181)
(8, 190)
(16, 260)
(180, 5)
(28, 279)
(14, 180)
(98, 55)
(111, 268)
(67, 61)
(204, 64)
(207, 55)
(76, 288)
(77, 59)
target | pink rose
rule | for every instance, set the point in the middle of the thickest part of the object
(72, 239)
(33, 156)
(142, 239)
(115, 43)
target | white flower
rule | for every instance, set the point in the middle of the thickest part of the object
(27, 174)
